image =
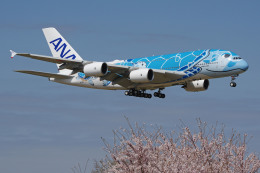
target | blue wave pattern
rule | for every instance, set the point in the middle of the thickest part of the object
(215, 54)
(172, 62)
(90, 79)
(191, 72)
(81, 75)
(106, 82)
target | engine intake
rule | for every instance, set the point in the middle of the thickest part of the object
(197, 85)
(141, 75)
(95, 69)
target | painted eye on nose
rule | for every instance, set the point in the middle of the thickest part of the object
(226, 55)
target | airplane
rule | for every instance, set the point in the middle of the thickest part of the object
(192, 70)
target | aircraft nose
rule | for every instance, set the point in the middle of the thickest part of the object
(243, 65)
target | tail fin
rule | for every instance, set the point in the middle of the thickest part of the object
(59, 47)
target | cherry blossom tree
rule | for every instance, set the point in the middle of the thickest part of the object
(205, 150)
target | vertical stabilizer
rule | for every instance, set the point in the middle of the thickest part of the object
(59, 47)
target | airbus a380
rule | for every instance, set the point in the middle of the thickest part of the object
(191, 70)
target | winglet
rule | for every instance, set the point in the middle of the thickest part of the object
(13, 53)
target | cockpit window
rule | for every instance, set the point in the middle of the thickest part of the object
(226, 55)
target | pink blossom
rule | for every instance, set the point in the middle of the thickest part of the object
(138, 150)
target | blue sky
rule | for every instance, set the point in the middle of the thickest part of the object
(49, 127)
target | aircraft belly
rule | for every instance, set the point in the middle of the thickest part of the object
(219, 74)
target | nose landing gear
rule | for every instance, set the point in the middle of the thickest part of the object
(232, 83)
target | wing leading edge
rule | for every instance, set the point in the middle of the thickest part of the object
(45, 74)
(50, 59)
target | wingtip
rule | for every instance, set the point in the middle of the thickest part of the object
(21, 71)
(13, 53)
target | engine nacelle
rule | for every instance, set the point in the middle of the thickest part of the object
(197, 85)
(141, 75)
(95, 69)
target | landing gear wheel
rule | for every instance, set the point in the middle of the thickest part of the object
(162, 96)
(156, 94)
(233, 84)
(127, 93)
(138, 93)
(159, 94)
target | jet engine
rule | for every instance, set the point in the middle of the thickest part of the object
(95, 69)
(141, 75)
(197, 85)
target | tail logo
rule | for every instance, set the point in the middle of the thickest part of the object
(57, 43)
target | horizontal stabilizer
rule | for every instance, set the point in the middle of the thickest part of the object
(44, 74)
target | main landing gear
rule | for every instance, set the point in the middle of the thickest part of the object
(232, 83)
(142, 93)
(138, 93)
(159, 94)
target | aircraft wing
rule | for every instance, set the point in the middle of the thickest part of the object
(118, 74)
(44, 74)
(172, 75)
(69, 64)
(124, 69)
